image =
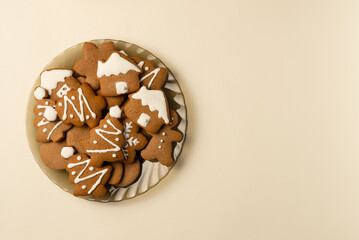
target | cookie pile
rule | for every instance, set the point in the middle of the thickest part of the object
(102, 119)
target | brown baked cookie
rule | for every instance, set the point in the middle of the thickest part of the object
(51, 155)
(151, 77)
(148, 108)
(118, 75)
(160, 145)
(117, 173)
(130, 173)
(105, 141)
(88, 178)
(81, 106)
(49, 79)
(77, 134)
(49, 128)
(133, 140)
(87, 66)
(63, 87)
(112, 101)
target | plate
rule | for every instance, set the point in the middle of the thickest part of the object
(152, 172)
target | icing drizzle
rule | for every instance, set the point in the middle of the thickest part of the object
(100, 132)
(53, 129)
(155, 100)
(154, 73)
(79, 179)
(82, 100)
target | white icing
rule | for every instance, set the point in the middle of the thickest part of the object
(94, 142)
(117, 139)
(115, 111)
(67, 152)
(105, 126)
(154, 73)
(87, 117)
(73, 98)
(129, 141)
(53, 129)
(91, 168)
(63, 91)
(39, 93)
(79, 158)
(121, 87)
(83, 187)
(155, 100)
(144, 119)
(50, 78)
(114, 155)
(50, 113)
(82, 100)
(79, 179)
(44, 130)
(161, 141)
(43, 122)
(40, 113)
(73, 173)
(47, 103)
(60, 104)
(71, 116)
(159, 147)
(146, 68)
(164, 134)
(100, 132)
(123, 52)
(115, 65)
(140, 64)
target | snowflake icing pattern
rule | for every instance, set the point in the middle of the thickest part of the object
(129, 141)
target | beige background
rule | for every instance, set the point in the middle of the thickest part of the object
(272, 94)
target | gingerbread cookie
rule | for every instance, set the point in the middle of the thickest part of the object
(105, 141)
(87, 66)
(49, 128)
(52, 77)
(113, 101)
(148, 108)
(117, 173)
(160, 145)
(63, 87)
(118, 75)
(134, 140)
(51, 155)
(151, 77)
(88, 178)
(77, 134)
(131, 172)
(81, 106)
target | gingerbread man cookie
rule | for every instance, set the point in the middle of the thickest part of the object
(81, 106)
(88, 178)
(105, 141)
(49, 128)
(148, 108)
(160, 145)
(151, 77)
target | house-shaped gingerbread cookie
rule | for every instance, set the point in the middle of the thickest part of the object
(148, 108)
